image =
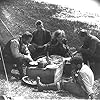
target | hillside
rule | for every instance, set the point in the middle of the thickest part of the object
(20, 15)
(16, 16)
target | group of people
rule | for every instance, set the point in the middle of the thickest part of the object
(44, 41)
(30, 46)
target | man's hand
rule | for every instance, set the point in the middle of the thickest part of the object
(47, 46)
(28, 58)
(31, 48)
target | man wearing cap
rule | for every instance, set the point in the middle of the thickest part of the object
(90, 49)
(80, 83)
(16, 52)
(41, 37)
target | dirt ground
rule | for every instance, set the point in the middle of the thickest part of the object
(15, 88)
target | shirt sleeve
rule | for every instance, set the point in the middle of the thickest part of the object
(15, 49)
(92, 47)
(48, 36)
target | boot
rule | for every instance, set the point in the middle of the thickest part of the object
(41, 87)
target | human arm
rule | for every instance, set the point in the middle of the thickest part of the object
(47, 39)
(15, 49)
(48, 36)
(33, 44)
(79, 80)
(66, 47)
(16, 53)
(90, 50)
(27, 54)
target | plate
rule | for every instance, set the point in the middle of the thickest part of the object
(53, 66)
(33, 63)
(29, 81)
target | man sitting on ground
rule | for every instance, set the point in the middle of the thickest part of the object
(41, 37)
(16, 52)
(81, 83)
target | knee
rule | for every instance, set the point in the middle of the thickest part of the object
(58, 84)
(64, 85)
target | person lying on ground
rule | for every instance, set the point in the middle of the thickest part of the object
(81, 83)
(16, 52)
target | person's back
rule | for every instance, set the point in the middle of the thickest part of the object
(7, 54)
(16, 52)
(10, 55)
(87, 77)
(97, 50)
(90, 42)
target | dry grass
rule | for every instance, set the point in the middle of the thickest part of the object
(15, 89)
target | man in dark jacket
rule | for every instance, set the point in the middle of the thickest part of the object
(41, 37)
(90, 49)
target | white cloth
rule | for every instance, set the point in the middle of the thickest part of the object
(87, 77)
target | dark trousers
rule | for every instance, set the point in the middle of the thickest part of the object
(73, 88)
(19, 64)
